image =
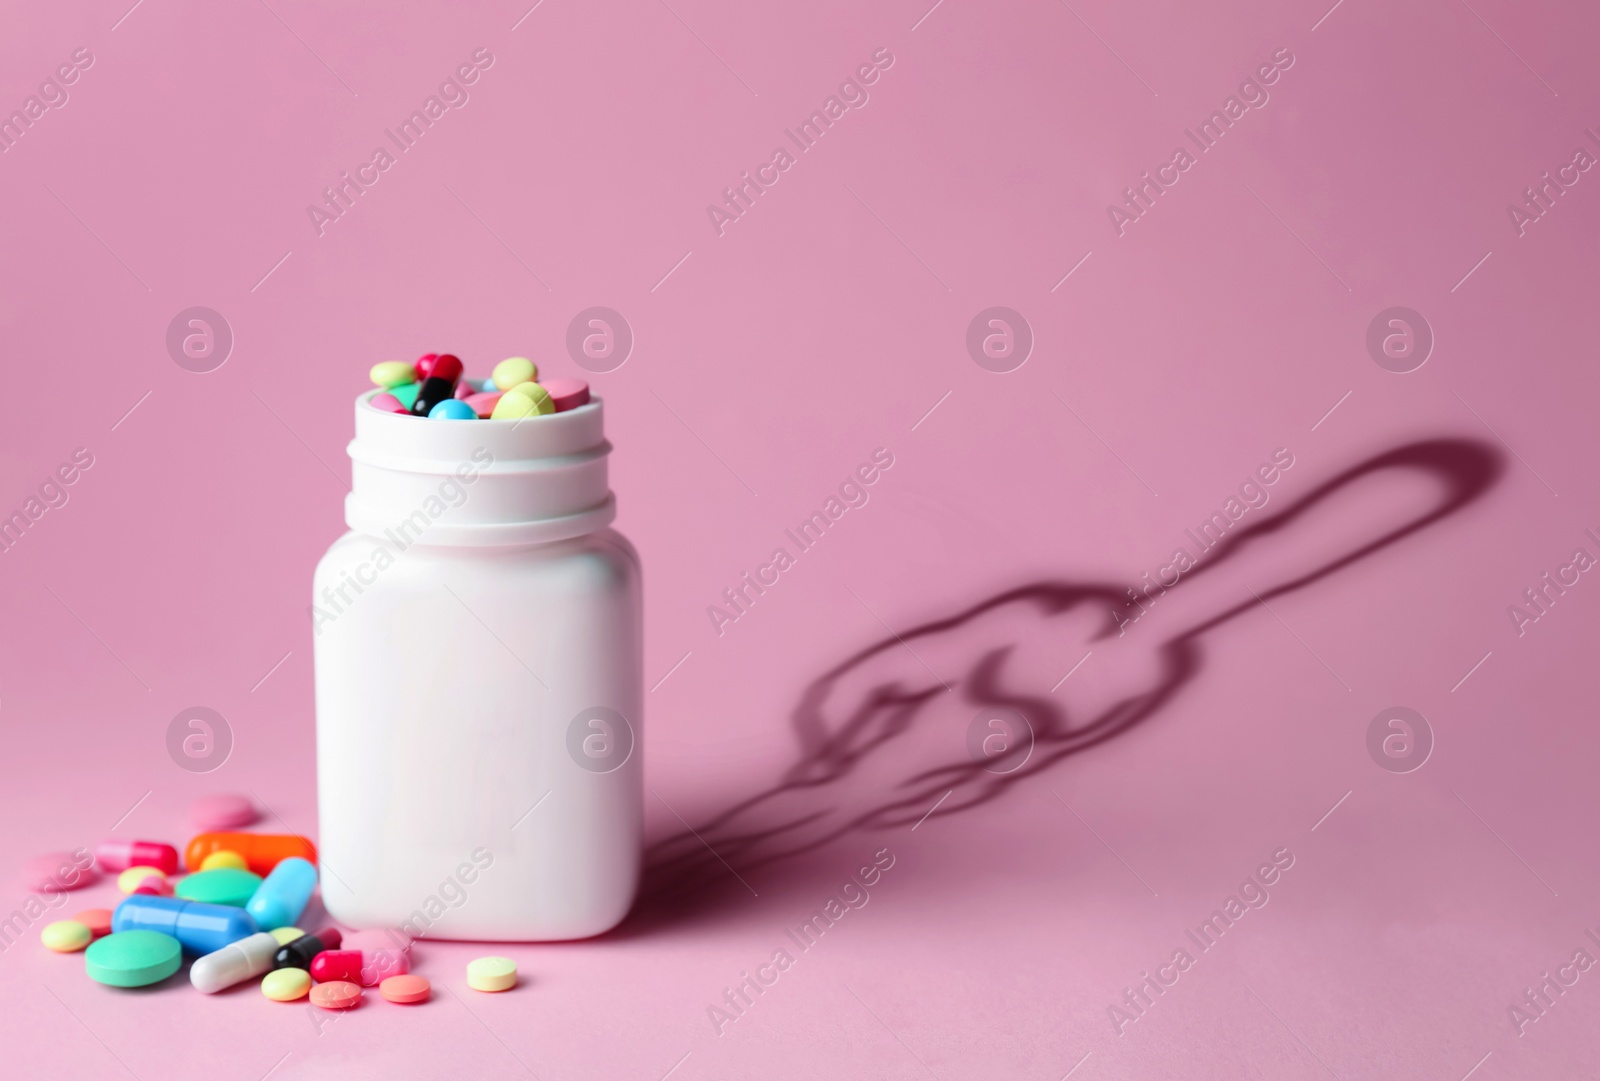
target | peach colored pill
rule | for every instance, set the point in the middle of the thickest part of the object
(129, 879)
(405, 989)
(97, 920)
(337, 995)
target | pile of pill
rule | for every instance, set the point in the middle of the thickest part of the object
(436, 387)
(234, 913)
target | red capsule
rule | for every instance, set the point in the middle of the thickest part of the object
(439, 384)
(119, 855)
(446, 366)
(330, 965)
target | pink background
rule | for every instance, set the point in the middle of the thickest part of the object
(772, 361)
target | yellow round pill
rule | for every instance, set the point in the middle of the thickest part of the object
(492, 974)
(66, 936)
(285, 935)
(129, 880)
(224, 858)
(522, 402)
(393, 373)
(286, 984)
(514, 371)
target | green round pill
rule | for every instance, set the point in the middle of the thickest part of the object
(406, 393)
(132, 958)
(219, 886)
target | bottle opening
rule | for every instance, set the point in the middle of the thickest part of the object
(479, 482)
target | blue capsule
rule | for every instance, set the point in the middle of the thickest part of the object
(283, 894)
(200, 927)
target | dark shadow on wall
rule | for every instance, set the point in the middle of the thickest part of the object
(761, 839)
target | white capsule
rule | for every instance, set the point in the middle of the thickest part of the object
(234, 963)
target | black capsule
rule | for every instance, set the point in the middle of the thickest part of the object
(440, 384)
(297, 953)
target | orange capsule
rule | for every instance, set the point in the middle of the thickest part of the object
(261, 851)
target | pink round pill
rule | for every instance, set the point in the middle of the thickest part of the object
(566, 393)
(465, 389)
(226, 811)
(57, 871)
(387, 403)
(483, 404)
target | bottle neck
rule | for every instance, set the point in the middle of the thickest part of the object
(483, 483)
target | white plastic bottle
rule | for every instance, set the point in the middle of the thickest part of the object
(478, 683)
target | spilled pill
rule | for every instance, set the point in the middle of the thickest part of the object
(58, 871)
(331, 965)
(261, 851)
(282, 895)
(121, 855)
(223, 811)
(405, 989)
(222, 886)
(131, 878)
(97, 920)
(299, 952)
(286, 984)
(224, 859)
(200, 927)
(234, 963)
(132, 958)
(66, 936)
(338, 995)
(492, 974)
